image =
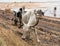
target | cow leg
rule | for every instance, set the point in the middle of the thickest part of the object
(15, 22)
(37, 37)
(20, 22)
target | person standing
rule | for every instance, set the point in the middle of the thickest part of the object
(55, 11)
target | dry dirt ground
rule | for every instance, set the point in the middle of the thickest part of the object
(10, 35)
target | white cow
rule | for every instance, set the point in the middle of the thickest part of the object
(28, 20)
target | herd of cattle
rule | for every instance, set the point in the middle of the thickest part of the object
(18, 15)
(27, 19)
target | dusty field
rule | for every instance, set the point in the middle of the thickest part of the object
(20, 4)
(10, 35)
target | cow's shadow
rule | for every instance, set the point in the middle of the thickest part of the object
(18, 33)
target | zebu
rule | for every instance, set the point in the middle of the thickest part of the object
(29, 20)
(18, 15)
(41, 13)
(15, 18)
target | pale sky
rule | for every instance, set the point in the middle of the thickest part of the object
(29, 0)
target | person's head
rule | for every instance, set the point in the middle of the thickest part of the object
(55, 8)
